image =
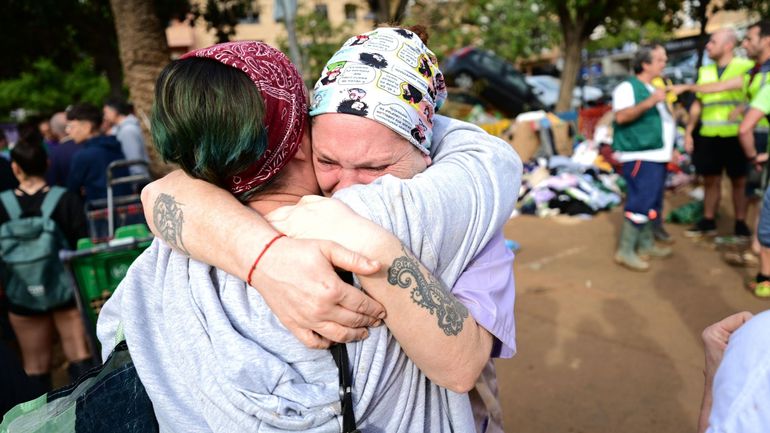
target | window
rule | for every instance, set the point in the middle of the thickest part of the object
(350, 11)
(492, 63)
(514, 78)
(322, 11)
(252, 14)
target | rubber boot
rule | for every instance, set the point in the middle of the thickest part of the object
(626, 254)
(660, 233)
(79, 368)
(647, 247)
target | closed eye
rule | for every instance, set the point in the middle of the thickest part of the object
(327, 162)
(377, 169)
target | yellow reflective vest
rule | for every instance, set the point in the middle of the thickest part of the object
(715, 115)
(752, 87)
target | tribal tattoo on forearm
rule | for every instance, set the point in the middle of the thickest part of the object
(428, 292)
(168, 218)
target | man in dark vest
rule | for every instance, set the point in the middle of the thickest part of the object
(644, 136)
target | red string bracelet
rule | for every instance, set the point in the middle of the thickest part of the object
(254, 266)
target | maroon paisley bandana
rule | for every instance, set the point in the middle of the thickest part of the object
(285, 99)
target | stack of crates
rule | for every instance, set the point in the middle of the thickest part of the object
(98, 269)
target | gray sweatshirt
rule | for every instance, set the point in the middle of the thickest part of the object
(129, 134)
(213, 357)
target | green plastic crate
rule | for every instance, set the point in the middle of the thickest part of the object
(98, 273)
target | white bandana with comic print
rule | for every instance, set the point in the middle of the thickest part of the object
(387, 75)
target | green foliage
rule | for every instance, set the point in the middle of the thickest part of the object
(318, 40)
(60, 30)
(516, 29)
(631, 31)
(46, 88)
(511, 28)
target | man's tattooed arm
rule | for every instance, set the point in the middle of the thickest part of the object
(428, 293)
(168, 218)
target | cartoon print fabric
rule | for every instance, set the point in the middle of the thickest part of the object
(387, 75)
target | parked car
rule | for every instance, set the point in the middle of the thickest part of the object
(547, 90)
(607, 83)
(491, 78)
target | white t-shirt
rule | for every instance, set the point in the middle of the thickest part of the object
(622, 98)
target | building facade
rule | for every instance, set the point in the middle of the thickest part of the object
(260, 23)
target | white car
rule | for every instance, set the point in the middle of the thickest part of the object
(547, 87)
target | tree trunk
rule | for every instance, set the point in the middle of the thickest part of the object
(383, 12)
(109, 62)
(573, 47)
(289, 15)
(400, 12)
(701, 44)
(144, 53)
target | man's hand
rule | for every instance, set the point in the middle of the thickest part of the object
(678, 89)
(310, 299)
(759, 161)
(689, 145)
(737, 113)
(675, 157)
(659, 95)
(715, 339)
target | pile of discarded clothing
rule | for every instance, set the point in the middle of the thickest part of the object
(582, 184)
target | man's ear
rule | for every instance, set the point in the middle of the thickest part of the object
(427, 159)
(15, 169)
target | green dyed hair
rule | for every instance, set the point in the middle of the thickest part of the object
(208, 118)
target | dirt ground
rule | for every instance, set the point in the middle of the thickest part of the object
(604, 349)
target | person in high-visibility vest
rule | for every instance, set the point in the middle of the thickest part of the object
(752, 134)
(717, 148)
(757, 42)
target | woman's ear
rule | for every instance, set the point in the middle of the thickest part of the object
(304, 151)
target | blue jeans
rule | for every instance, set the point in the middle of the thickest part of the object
(645, 186)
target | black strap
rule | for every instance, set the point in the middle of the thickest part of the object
(340, 355)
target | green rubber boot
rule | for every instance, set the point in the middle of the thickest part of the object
(626, 254)
(647, 246)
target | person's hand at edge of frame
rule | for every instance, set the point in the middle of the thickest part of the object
(716, 337)
(296, 277)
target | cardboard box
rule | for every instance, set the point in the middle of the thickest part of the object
(524, 138)
(562, 142)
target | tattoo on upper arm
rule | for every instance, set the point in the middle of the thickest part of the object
(428, 293)
(168, 218)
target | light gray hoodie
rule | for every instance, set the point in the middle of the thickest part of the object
(213, 357)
